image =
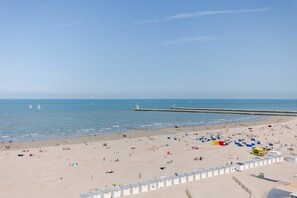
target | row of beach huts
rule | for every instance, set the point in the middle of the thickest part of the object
(151, 185)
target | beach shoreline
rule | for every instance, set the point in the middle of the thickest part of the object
(70, 166)
(37, 143)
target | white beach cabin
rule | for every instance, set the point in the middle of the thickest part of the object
(246, 165)
(175, 180)
(256, 162)
(221, 170)
(203, 174)
(106, 193)
(97, 194)
(85, 195)
(197, 175)
(168, 181)
(126, 190)
(160, 182)
(265, 161)
(239, 166)
(232, 168)
(215, 171)
(227, 169)
(292, 159)
(281, 159)
(144, 186)
(135, 188)
(209, 172)
(261, 162)
(274, 154)
(269, 161)
(116, 192)
(183, 178)
(252, 164)
(152, 184)
(190, 177)
(273, 160)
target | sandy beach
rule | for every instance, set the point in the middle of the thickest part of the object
(70, 166)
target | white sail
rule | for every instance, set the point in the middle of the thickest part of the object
(38, 107)
(30, 106)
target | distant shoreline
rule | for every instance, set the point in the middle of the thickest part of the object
(134, 134)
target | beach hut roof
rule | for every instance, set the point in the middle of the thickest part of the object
(107, 190)
(117, 188)
(125, 186)
(240, 163)
(84, 195)
(143, 183)
(160, 179)
(152, 181)
(182, 175)
(196, 172)
(174, 177)
(135, 185)
(189, 174)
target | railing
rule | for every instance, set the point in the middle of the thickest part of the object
(188, 193)
(243, 186)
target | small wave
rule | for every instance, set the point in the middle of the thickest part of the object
(5, 136)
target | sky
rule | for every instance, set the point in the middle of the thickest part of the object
(148, 49)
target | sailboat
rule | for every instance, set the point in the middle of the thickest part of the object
(38, 107)
(30, 106)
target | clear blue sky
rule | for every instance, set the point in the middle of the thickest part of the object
(148, 49)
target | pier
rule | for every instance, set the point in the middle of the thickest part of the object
(222, 111)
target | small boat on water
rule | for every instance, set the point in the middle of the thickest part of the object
(38, 107)
(30, 106)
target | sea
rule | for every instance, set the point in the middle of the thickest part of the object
(23, 120)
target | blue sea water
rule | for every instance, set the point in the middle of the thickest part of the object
(68, 118)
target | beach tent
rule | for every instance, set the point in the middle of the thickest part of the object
(160, 183)
(135, 188)
(239, 166)
(222, 143)
(277, 159)
(209, 172)
(106, 193)
(269, 161)
(197, 175)
(168, 181)
(152, 184)
(215, 142)
(190, 176)
(281, 159)
(144, 186)
(126, 190)
(175, 180)
(116, 192)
